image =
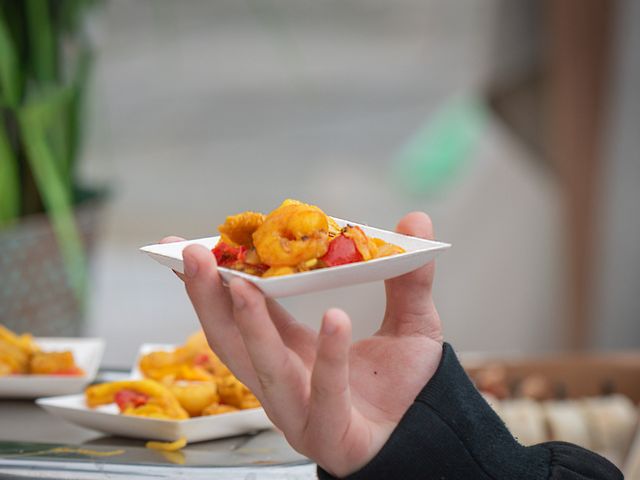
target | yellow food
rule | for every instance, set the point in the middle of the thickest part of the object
(167, 446)
(195, 396)
(295, 237)
(185, 382)
(239, 229)
(160, 403)
(217, 408)
(20, 354)
(46, 363)
(293, 233)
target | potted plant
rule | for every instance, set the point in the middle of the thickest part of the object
(47, 221)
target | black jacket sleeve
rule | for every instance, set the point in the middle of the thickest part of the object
(450, 432)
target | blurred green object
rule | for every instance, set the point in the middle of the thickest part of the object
(438, 151)
(45, 56)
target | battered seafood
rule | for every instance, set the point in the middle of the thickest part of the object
(144, 398)
(188, 381)
(20, 354)
(295, 237)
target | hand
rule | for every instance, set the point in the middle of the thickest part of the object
(336, 402)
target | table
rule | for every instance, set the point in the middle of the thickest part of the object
(36, 444)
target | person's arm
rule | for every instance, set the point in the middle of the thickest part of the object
(451, 432)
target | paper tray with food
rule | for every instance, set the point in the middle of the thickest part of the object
(298, 249)
(32, 367)
(175, 393)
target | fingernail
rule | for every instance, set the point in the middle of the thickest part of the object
(237, 299)
(328, 327)
(190, 266)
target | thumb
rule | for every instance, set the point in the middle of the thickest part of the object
(410, 308)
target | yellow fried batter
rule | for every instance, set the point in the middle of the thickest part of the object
(171, 366)
(291, 234)
(386, 249)
(238, 229)
(45, 363)
(167, 446)
(24, 342)
(161, 404)
(13, 359)
(233, 392)
(195, 396)
(217, 408)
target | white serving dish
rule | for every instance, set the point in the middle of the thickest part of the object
(87, 353)
(107, 419)
(418, 252)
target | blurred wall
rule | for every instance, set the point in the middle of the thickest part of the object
(617, 297)
(202, 109)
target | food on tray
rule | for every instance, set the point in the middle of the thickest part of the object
(20, 354)
(188, 381)
(144, 398)
(295, 237)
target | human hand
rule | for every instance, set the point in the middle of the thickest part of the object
(336, 402)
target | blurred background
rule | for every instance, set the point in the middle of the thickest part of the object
(514, 124)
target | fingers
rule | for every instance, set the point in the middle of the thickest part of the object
(297, 336)
(173, 239)
(410, 308)
(281, 375)
(330, 400)
(212, 304)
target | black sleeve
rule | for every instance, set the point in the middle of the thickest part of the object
(450, 432)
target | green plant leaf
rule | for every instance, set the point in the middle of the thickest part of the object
(9, 68)
(76, 107)
(9, 181)
(55, 195)
(42, 44)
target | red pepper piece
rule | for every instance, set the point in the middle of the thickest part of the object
(201, 359)
(69, 371)
(342, 250)
(227, 255)
(130, 398)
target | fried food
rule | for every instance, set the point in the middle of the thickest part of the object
(20, 354)
(52, 363)
(235, 393)
(295, 237)
(238, 229)
(293, 233)
(218, 408)
(188, 381)
(144, 398)
(194, 397)
(167, 446)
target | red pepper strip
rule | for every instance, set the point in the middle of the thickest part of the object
(69, 371)
(227, 255)
(130, 398)
(342, 250)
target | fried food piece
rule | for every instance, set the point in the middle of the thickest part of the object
(291, 234)
(233, 392)
(48, 363)
(218, 408)
(195, 396)
(386, 249)
(238, 229)
(167, 367)
(160, 402)
(24, 342)
(13, 359)
(167, 446)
